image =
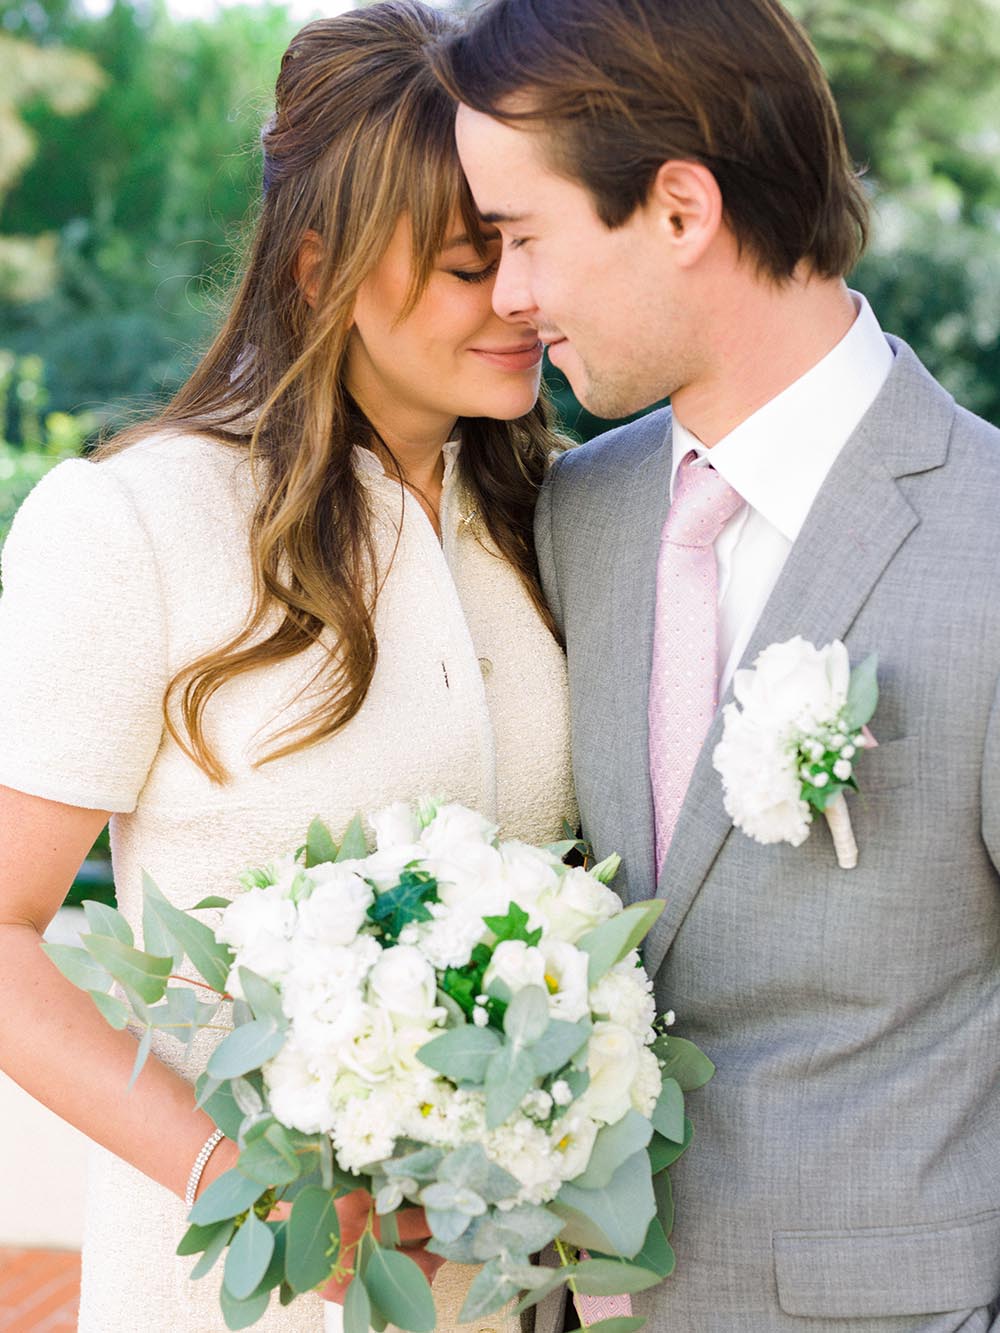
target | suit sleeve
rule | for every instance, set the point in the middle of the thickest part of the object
(545, 545)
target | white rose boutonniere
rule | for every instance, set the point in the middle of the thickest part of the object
(791, 739)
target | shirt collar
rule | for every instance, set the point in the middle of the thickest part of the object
(368, 464)
(778, 458)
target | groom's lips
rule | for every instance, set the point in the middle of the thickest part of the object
(551, 344)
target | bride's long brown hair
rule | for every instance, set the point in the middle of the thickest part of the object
(362, 133)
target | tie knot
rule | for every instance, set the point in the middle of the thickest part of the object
(703, 504)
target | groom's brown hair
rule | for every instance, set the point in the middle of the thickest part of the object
(622, 86)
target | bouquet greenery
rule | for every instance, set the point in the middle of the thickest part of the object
(448, 1022)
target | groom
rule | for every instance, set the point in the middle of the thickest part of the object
(678, 210)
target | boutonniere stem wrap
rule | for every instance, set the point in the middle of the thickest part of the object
(791, 740)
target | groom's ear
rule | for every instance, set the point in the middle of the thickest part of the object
(687, 205)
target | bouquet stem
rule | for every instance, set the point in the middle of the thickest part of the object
(839, 818)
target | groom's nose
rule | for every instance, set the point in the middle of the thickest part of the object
(512, 296)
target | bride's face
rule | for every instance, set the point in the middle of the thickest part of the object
(451, 355)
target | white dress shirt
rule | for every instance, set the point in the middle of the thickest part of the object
(777, 459)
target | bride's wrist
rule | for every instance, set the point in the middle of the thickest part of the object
(213, 1160)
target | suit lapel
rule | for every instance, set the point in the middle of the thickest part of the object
(646, 503)
(857, 523)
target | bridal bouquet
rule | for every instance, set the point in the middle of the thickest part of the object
(448, 1022)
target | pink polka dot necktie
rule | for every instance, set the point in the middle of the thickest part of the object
(683, 686)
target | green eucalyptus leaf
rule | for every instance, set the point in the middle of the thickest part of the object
(420, 1165)
(663, 1152)
(211, 901)
(664, 1192)
(400, 1291)
(558, 1044)
(355, 844)
(559, 1276)
(357, 1308)
(214, 1249)
(246, 1048)
(115, 1011)
(526, 1227)
(270, 1157)
(614, 1145)
(447, 1224)
(242, 1314)
(444, 1196)
(611, 1277)
(609, 942)
(618, 1324)
(156, 938)
(462, 1054)
(228, 1196)
(469, 1167)
(510, 1075)
(527, 1016)
(141, 1056)
(656, 1253)
(181, 1014)
(862, 693)
(614, 1219)
(216, 1096)
(104, 920)
(681, 1060)
(313, 1239)
(490, 1289)
(197, 1239)
(275, 1272)
(248, 1257)
(262, 997)
(77, 966)
(140, 972)
(668, 1113)
(212, 959)
(320, 846)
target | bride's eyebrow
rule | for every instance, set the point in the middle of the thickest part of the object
(465, 239)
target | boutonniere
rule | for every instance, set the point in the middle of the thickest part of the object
(791, 740)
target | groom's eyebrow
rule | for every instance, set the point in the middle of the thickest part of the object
(504, 217)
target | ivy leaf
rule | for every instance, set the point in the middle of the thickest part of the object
(463, 984)
(397, 907)
(513, 925)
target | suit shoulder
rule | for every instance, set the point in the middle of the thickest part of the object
(616, 452)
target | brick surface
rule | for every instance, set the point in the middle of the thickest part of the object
(39, 1291)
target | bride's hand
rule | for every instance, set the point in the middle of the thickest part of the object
(353, 1210)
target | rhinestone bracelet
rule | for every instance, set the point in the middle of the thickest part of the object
(200, 1162)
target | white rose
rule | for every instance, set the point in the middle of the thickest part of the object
(796, 682)
(459, 847)
(385, 866)
(566, 979)
(404, 984)
(577, 904)
(613, 1063)
(370, 1050)
(299, 1096)
(396, 826)
(517, 965)
(528, 872)
(335, 910)
(761, 784)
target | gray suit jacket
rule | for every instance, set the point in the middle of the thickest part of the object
(845, 1173)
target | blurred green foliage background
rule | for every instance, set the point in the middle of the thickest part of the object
(129, 174)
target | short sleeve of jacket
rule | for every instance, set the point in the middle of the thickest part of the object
(82, 643)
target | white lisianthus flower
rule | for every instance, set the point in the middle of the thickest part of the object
(259, 925)
(517, 965)
(624, 996)
(528, 872)
(565, 979)
(403, 983)
(796, 683)
(335, 910)
(572, 1138)
(761, 784)
(458, 848)
(396, 826)
(323, 1021)
(385, 866)
(300, 1096)
(647, 1084)
(613, 1063)
(576, 905)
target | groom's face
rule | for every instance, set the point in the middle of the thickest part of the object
(605, 301)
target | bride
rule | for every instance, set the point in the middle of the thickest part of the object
(307, 588)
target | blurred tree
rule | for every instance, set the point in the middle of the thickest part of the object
(66, 82)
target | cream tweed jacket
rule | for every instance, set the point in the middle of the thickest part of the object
(117, 574)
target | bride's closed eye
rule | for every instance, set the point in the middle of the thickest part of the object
(475, 275)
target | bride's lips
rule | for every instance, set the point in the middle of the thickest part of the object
(525, 356)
